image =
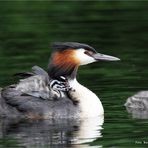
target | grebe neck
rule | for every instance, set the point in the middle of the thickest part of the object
(90, 105)
(55, 71)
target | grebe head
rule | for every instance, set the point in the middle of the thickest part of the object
(68, 56)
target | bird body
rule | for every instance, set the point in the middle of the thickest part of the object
(89, 104)
(56, 94)
(137, 105)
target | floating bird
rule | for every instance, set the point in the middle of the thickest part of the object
(56, 93)
(137, 105)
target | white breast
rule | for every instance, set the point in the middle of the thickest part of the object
(89, 103)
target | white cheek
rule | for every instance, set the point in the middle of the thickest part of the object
(83, 58)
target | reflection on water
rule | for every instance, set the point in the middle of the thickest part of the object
(54, 133)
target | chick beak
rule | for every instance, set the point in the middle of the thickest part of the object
(103, 57)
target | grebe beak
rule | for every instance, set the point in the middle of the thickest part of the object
(103, 57)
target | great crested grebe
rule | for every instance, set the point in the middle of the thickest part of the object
(56, 94)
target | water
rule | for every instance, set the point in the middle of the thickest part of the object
(116, 28)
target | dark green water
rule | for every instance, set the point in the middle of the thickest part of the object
(117, 28)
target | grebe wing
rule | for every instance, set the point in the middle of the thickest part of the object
(36, 70)
(36, 108)
(36, 84)
(34, 97)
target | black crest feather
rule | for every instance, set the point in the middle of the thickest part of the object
(73, 45)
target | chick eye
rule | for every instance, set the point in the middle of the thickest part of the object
(89, 53)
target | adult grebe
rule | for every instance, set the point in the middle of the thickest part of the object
(56, 94)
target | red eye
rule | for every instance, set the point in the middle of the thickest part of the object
(90, 53)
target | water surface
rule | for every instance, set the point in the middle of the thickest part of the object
(116, 28)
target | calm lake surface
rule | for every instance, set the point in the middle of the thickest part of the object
(115, 28)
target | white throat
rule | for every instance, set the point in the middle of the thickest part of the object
(89, 103)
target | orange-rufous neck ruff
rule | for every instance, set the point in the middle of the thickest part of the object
(66, 58)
